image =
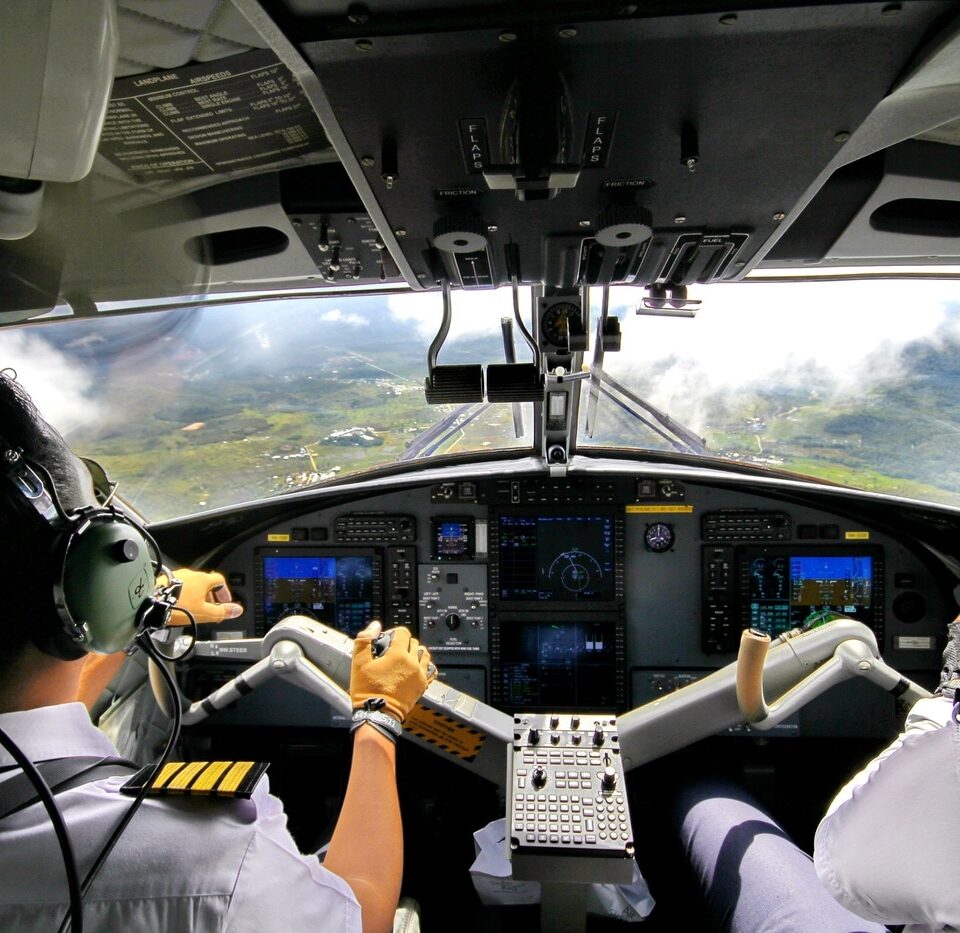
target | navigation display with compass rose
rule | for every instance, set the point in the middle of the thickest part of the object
(557, 558)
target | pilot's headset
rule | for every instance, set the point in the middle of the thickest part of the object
(103, 565)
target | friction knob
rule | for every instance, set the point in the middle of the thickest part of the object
(459, 235)
(624, 225)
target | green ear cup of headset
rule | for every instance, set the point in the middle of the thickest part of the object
(108, 575)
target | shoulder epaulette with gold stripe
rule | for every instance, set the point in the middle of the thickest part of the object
(199, 779)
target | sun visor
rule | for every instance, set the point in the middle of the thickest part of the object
(56, 67)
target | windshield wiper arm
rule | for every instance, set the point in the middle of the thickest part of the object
(683, 438)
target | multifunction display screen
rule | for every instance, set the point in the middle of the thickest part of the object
(558, 665)
(785, 589)
(337, 590)
(557, 558)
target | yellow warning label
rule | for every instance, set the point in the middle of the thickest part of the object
(278, 537)
(857, 535)
(662, 508)
(446, 733)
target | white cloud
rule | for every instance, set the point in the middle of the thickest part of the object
(475, 313)
(336, 314)
(842, 337)
(60, 386)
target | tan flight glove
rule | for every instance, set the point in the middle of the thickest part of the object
(393, 681)
(204, 595)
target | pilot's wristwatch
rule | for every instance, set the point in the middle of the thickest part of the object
(383, 722)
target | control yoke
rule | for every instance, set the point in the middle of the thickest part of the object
(851, 658)
(795, 668)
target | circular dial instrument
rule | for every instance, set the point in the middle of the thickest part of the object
(576, 571)
(555, 323)
(658, 537)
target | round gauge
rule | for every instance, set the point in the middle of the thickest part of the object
(658, 537)
(575, 571)
(555, 323)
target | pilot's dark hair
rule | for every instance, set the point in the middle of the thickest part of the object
(26, 542)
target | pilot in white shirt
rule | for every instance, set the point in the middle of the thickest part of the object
(180, 864)
(183, 864)
(889, 847)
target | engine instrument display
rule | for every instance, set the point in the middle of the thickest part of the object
(784, 588)
(558, 665)
(557, 558)
(341, 590)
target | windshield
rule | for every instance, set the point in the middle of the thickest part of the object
(853, 382)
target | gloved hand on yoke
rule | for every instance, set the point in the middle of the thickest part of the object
(389, 673)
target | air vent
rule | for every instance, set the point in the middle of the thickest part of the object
(218, 249)
(918, 217)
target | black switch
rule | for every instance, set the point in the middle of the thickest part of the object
(830, 532)
(453, 578)
(318, 534)
(300, 534)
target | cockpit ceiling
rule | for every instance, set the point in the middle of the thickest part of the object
(569, 144)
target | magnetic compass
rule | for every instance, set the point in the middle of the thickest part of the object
(658, 537)
(555, 323)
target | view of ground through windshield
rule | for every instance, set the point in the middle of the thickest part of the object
(853, 382)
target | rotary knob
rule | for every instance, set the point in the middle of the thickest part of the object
(539, 776)
(609, 779)
(459, 235)
(624, 225)
(452, 621)
(534, 736)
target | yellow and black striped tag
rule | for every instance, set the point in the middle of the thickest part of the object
(199, 779)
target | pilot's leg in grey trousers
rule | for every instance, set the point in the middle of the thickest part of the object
(753, 876)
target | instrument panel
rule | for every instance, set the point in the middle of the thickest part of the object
(595, 591)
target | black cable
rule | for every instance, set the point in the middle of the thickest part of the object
(146, 644)
(75, 914)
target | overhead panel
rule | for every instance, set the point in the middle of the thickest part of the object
(631, 150)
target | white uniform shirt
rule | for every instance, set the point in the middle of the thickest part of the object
(180, 865)
(889, 847)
